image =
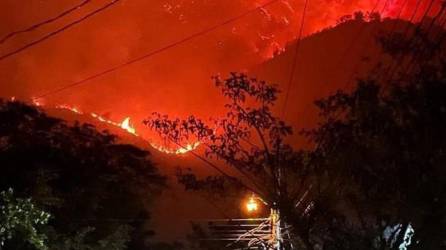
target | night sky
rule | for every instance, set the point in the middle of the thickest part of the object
(178, 80)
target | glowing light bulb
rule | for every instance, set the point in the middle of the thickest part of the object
(251, 205)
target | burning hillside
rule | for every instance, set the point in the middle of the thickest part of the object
(177, 80)
(126, 126)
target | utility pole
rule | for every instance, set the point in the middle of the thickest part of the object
(254, 233)
(276, 234)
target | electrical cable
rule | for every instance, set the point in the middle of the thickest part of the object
(295, 56)
(38, 25)
(154, 52)
(56, 32)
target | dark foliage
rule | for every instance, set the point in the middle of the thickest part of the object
(82, 177)
(251, 140)
(385, 142)
(378, 158)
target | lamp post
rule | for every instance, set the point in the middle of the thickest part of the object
(275, 239)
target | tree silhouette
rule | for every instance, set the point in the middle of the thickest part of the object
(251, 140)
(377, 166)
(386, 141)
(83, 177)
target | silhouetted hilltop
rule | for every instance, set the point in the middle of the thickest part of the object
(326, 61)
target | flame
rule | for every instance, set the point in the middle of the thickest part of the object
(126, 126)
(187, 148)
(37, 101)
(69, 108)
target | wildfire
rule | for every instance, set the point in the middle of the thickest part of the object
(37, 101)
(126, 126)
(72, 109)
(187, 148)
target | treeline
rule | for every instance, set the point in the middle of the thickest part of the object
(71, 186)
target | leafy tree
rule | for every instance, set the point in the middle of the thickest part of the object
(377, 167)
(84, 178)
(385, 141)
(251, 140)
(21, 221)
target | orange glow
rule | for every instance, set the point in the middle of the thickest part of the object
(72, 109)
(252, 205)
(37, 101)
(127, 126)
(187, 148)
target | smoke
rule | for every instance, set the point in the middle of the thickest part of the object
(177, 81)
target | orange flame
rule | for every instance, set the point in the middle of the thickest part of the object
(37, 101)
(127, 126)
(187, 148)
(72, 109)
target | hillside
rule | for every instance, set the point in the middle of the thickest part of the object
(335, 52)
(326, 61)
(168, 219)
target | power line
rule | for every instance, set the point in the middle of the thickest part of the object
(428, 30)
(349, 47)
(296, 52)
(360, 30)
(218, 169)
(50, 20)
(352, 42)
(355, 38)
(53, 33)
(156, 51)
(400, 12)
(400, 63)
(325, 133)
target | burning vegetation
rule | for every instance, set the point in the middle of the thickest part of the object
(128, 127)
(372, 175)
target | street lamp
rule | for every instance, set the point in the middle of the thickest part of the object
(275, 238)
(252, 205)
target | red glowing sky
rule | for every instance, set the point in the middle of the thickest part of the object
(176, 81)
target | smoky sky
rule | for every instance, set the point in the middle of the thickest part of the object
(177, 81)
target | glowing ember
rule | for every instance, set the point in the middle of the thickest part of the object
(72, 109)
(37, 101)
